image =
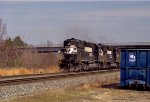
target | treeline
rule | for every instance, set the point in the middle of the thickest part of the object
(9, 55)
(17, 42)
(12, 57)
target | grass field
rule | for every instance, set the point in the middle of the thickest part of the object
(23, 71)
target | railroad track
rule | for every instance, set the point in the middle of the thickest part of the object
(19, 79)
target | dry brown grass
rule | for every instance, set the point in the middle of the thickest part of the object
(87, 86)
(24, 71)
(97, 84)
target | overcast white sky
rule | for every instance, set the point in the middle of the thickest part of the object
(108, 21)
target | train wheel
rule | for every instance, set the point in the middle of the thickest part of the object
(85, 67)
(64, 69)
(118, 65)
(71, 68)
(79, 68)
(61, 70)
(98, 66)
(107, 66)
(101, 66)
(74, 68)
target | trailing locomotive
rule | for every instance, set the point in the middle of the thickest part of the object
(80, 55)
(110, 57)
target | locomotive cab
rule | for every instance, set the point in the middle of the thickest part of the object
(71, 50)
(69, 54)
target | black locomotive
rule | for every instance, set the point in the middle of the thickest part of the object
(80, 55)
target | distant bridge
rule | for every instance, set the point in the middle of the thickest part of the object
(56, 49)
(40, 49)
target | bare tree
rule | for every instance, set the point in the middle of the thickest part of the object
(2, 30)
(3, 52)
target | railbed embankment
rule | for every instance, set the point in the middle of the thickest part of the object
(18, 90)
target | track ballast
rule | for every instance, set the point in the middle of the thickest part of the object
(19, 79)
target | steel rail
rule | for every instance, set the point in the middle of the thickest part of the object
(55, 76)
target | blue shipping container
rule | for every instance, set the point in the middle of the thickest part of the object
(135, 67)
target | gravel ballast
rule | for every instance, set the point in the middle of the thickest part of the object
(18, 90)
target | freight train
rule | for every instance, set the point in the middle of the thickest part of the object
(78, 55)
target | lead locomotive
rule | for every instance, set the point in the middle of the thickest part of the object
(80, 55)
